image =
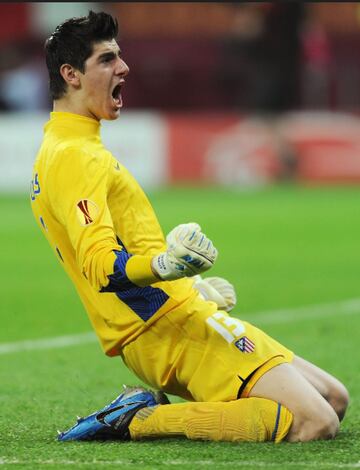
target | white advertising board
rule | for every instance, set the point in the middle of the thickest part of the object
(137, 140)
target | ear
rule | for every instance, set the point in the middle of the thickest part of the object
(70, 75)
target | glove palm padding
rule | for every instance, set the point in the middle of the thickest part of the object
(218, 290)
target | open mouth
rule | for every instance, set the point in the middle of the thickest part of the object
(116, 95)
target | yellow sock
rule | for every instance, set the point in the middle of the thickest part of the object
(247, 419)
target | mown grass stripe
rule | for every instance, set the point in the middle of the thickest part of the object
(47, 343)
(342, 307)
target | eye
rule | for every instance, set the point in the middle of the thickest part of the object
(107, 58)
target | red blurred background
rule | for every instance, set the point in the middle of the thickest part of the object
(270, 57)
(241, 93)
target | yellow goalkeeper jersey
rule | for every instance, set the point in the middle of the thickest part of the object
(103, 230)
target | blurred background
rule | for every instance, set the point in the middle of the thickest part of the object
(221, 93)
(243, 117)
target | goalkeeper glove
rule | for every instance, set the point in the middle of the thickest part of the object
(218, 290)
(189, 252)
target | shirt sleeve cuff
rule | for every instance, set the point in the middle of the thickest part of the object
(138, 270)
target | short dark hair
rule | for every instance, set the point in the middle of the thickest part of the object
(72, 43)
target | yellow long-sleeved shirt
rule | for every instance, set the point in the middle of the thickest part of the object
(102, 227)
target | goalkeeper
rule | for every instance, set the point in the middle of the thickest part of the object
(143, 295)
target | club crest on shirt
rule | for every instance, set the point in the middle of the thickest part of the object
(245, 345)
(86, 211)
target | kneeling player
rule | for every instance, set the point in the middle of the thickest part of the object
(241, 384)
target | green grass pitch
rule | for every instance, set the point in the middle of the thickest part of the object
(283, 247)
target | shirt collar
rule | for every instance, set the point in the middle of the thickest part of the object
(74, 123)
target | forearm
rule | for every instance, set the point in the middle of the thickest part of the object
(118, 270)
(139, 270)
(111, 269)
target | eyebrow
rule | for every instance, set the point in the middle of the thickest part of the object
(108, 55)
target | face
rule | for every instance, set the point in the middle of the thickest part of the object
(102, 81)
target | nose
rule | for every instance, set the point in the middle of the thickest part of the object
(122, 68)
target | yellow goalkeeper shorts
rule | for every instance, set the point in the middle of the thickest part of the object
(201, 354)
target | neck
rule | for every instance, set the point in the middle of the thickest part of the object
(65, 106)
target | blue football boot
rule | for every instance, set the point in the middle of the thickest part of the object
(112, 421)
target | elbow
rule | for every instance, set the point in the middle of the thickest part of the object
(107, 273)
(117, 284)
(114, 277)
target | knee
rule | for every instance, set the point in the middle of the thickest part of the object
(339, 400)
(316, 427)
(326, 428)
